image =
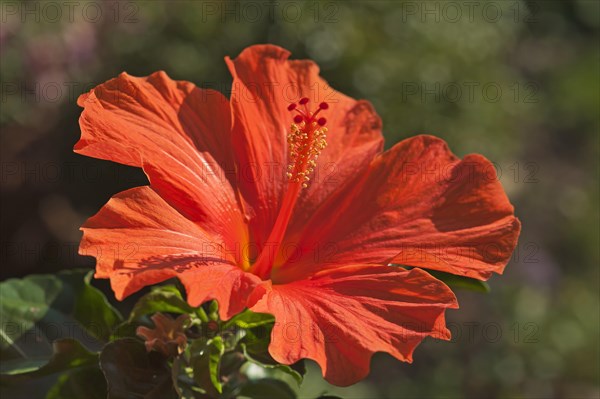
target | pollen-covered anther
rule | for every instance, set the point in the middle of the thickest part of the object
(306, 140)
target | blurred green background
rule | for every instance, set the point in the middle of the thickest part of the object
(515, 81)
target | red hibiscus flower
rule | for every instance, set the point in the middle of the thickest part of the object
(246, 206)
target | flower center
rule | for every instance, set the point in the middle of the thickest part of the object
(306, 140)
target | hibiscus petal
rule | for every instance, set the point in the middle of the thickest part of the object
(340, 317)
(138, 239)
(265, 83)
(417, 205)
(178, 133)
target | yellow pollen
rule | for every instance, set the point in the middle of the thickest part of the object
(305, 145)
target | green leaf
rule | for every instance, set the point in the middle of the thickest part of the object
(23, 302)
(68, 354)
(64, 300)
(127, 329)
(86, 383)
(165, 299)
(256, 343)
(207, 364)
(248, 319)
(231, 362)
(132, 372)
(298, 376)
(454, 281)
(461, 282)
(267, 388)
(91, 308)
(183, 380)
(21, 365)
